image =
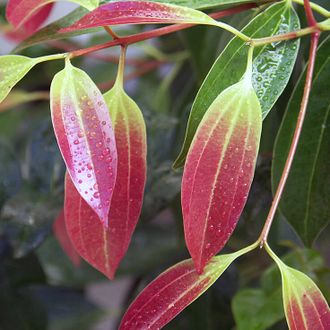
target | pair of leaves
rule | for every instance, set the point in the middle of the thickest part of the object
(92, 150)
(306, 197)
(172, 291)
(26, 12)
(272, 67)
(219, 170)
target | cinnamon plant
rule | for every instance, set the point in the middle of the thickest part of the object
(103, 141)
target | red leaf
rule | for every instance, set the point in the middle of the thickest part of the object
(171, 292)
(219, 170)
(138, 12)
(85, 136)
(99, 246)
(62, 236)
(27, 14)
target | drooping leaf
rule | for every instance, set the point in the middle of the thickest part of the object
(12, 69)
(272, 67)
(126, 204)
(304, 305)
(138, 12)
(19, 12)
(259, 309)
(93, 242)
(64, 240)
(85, 136)
(173, 291)
(306, 197)
(219, 170)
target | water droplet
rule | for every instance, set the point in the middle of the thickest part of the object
(208, 245)
(96, 186)
(106, 151)
(76, 142)
(80, 181)
(96, 194)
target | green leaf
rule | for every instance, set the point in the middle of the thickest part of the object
(255, 310)
(12, 69)
(306, 199)
(272, 67)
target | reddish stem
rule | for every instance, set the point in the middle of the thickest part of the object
(309, 14)
(295, 140)
(157, 32)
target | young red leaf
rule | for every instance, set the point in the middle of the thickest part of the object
(32, 13)
(62, 236)
(85, 136)
(139, 12)
(130, 134)
(173, 291)
(219, 170)
(304, 305)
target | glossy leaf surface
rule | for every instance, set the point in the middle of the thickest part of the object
(304, 305)
(131, 141)
(138, 12)
(19, 12)
(306, 198)
(61, 234)
(219, 170)
(272, 67)
(12, 69)
(85, 136)
(173, 291)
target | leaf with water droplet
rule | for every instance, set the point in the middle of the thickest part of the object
(85, 136)
(304, 305)
(219, 170)
(139, 12)
(306, 197)
(18, 12)
(272, 67)
(12, 69)
(172, 291)
(61, 235)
